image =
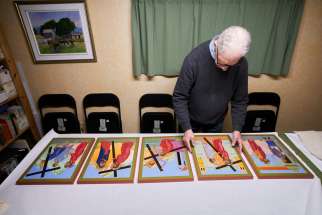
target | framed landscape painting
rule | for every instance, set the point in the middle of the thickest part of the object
(59, 162)
(216, 159)
(270, 158)
(57, 32)
(164, 159)
(112, 160)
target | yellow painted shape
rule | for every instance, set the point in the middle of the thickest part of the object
(201, 165)
(241, 166)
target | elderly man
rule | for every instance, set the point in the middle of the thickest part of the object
(212, 75)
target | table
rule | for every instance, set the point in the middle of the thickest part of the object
(256, 196)
(295, 143)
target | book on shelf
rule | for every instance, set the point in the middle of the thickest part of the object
(6, 84)
(7, 131)
(18, 117)
(13, 121)
(4, 75)
(3, 94)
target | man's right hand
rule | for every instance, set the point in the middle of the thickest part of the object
(187, 138)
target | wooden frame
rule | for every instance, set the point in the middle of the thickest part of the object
(57, 32)
(92, 173)
(58, 163)
(270, 158)
(152, 154)
(213, 159)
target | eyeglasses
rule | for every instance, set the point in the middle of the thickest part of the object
(223, 66)
(217, 62)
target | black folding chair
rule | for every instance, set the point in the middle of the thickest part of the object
(61, 121)
(263, 119)
(102, 122)
(157, 122)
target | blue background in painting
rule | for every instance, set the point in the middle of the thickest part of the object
(171, 167)
(62, 173)
(225, 170)
(274, 161)
(92, 172)
(67, 173)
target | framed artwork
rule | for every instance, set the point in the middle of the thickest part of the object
(59, 162)
(270, 158)
(216, 159)
(112, 160)
(164, 159)
(57, 32)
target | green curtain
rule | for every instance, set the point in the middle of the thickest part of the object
(165, 31)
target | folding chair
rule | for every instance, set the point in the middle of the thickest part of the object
(102, 122)
(263, 119)
(61, 121)
(157, 122)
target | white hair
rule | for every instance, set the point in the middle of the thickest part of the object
(234, 40)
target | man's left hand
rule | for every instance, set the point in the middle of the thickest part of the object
(237, 140)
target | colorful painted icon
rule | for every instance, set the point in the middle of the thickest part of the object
(270, 158)
(215, 158)
(59, 162)
(112, 161)
(164, 159)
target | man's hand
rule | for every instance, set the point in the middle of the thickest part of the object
(237, 140)
(187, 138)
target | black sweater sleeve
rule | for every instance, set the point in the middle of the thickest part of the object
(240, 98)
(181, 94)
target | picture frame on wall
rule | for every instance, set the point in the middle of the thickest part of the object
(57, 32)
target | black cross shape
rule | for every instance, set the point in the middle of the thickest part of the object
(112, 169)
(44, 169)
(179, 158)
(173, 150)
(115, 170)
(229, 164)
(154, 156)
(113, 154)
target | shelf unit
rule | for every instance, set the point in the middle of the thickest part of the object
(13, 139)
(20, 98)
(9, 100)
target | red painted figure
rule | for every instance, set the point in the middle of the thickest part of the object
(217, 144)
(258, 150)
(125, 153)
(76, 154)
(168, 145)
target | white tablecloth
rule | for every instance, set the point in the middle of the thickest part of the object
(298, 143)
(256, 196)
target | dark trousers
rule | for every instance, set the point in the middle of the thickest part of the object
(199, 128)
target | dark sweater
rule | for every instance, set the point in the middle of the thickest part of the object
(203, 91)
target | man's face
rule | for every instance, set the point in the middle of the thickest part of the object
(226, 61)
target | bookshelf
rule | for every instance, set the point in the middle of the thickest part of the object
(20, 98)
(7, 101)
(13, 139)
